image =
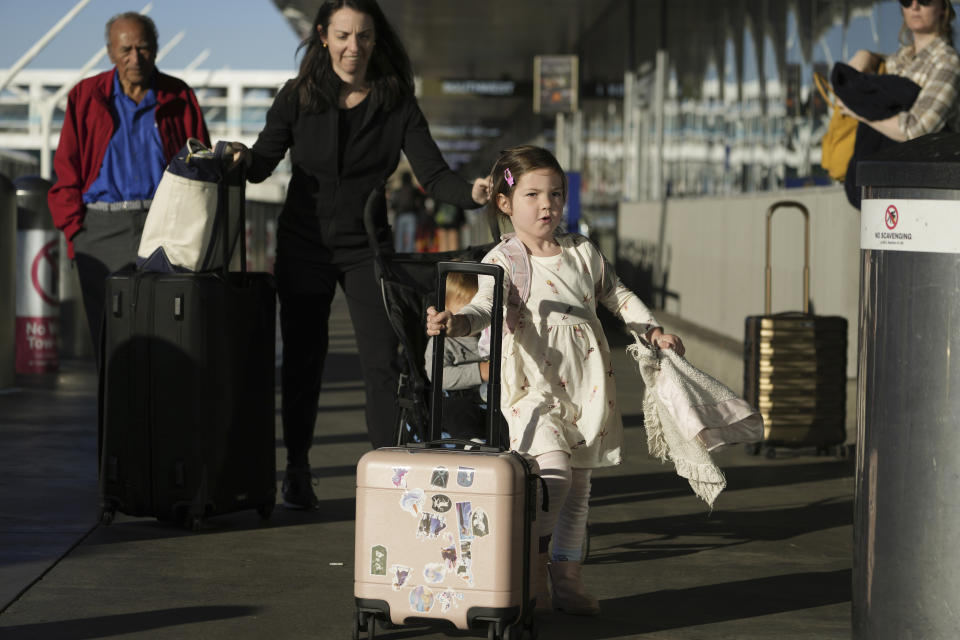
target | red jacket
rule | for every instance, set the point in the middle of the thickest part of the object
(87, 129)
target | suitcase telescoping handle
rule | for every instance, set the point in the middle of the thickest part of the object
(768, 272)
(233, 175)
(496, 340)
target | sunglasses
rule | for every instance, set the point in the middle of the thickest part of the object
(923, 3)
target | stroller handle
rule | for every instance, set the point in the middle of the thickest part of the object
(496, 339)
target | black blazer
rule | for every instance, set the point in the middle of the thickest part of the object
(324, 205)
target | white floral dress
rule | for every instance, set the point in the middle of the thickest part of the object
(558, 391)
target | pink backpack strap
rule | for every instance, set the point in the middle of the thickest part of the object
(519, 265)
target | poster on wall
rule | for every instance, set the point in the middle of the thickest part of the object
(556, 84)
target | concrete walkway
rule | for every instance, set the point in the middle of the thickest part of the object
(773, 560)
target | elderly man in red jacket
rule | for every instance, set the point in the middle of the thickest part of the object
(120, 131)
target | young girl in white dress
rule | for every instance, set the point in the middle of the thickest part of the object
(558, 392)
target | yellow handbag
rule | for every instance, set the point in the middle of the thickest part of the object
(836, 148)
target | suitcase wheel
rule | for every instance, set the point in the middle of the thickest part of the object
(753, 448)
(363, 621)
(265, 511)
(510, 632)
(843, 451)
(107, 515)
(532, 627)
(193, 522)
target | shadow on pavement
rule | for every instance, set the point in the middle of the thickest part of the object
(631, 616)
(718, 530)
(331, 510)
(325, 472)
(611, 489)
(121, 624)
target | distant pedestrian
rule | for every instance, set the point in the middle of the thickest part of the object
(121, 129)
(407, 202)
(427, 228)
(558, 389)
(928, 58)
(448, 218)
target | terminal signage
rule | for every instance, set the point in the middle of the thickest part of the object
(928, 226)
(556, 83)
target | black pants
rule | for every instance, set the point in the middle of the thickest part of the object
(305, 325)
(107, 243)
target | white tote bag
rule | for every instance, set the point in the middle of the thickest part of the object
(183, 230)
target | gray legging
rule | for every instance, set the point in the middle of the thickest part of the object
(569, 492)
(108, 242)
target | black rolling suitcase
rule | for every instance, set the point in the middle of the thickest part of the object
(187, 393)
(795, 368)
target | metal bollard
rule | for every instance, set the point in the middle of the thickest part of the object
(8, 280)
(906, 562)
(38, 269)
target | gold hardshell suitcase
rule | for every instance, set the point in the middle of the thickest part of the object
(444, 528)
(795, 367)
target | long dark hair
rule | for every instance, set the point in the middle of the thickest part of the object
(389, 71)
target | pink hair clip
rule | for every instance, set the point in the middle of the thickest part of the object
(508, 176)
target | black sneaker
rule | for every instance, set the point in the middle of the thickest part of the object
(298, 490)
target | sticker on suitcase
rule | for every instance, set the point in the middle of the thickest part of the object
(448, 598)
(422, 599)
(434, 572)
(400, 477)
(449, 554)
(399, 575)
(465, 476)
(430, 526)
(441, 503)
(465, 568)
(378, 560)
(464, 517)
(479, 523)
(412, 502)
(439, 477)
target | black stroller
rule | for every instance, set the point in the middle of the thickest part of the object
(408, 284)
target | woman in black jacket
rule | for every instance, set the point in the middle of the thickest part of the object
(345, 119)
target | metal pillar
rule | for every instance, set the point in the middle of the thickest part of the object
(906, 561)
(8, 280)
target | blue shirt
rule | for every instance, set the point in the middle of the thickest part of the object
(134, 162)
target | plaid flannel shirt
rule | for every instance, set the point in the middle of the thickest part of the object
(937, 70)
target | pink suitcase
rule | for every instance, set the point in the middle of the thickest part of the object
(444, 535)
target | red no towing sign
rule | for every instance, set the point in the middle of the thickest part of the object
(38, 305)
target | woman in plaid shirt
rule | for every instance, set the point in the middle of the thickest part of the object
(928, 58)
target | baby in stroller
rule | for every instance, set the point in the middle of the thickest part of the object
(465, 370)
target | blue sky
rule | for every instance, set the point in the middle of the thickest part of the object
(241, 34)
